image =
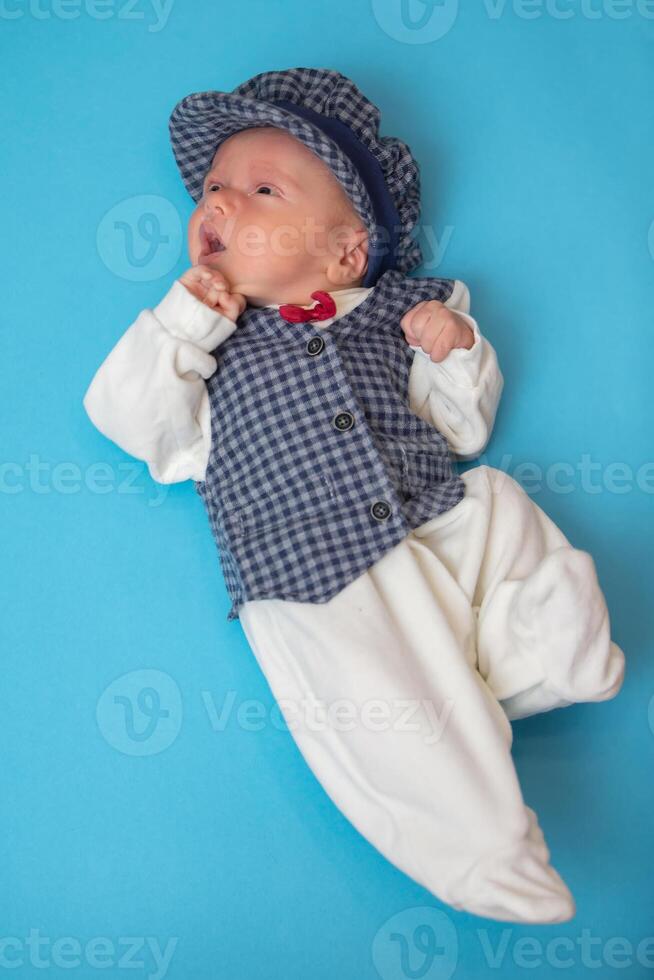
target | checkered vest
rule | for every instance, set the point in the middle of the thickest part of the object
(318, 466)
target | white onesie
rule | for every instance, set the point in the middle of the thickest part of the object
(399, 689)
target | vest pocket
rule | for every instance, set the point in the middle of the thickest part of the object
(302, 500)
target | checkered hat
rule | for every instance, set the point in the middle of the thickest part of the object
(332, 117)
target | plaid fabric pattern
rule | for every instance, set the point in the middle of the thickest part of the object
(318, 466)
(200, 122)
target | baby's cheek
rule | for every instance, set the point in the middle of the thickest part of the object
(192, 235)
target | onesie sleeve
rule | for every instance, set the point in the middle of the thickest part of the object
(149, 395)
(460, 394)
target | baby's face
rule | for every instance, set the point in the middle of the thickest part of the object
(275, 220)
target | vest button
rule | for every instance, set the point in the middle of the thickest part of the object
(381, 510)
(344, 421)
(315, 346)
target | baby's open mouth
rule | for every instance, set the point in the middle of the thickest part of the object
(210, 240)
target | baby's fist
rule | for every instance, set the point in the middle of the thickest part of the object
(436, 329)
(212, 289)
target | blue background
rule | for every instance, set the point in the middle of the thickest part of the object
(534, 137)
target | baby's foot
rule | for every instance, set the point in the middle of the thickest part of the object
(518, 884)
(559, 615)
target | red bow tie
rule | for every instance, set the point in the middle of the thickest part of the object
(323, 310)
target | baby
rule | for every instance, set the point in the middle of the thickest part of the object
(420, 609)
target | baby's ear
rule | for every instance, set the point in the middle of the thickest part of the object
(360, 249)
(350, 260)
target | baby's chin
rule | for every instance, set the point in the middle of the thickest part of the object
(257, 293)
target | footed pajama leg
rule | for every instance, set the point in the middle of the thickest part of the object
(411, 743)
(543, 637)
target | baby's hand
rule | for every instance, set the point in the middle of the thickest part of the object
(212, 289)
(437, 329)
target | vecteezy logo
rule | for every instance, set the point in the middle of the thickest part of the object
(650, 239)
(415, 21)
(140, 238)
(416, 944)
(140, 713)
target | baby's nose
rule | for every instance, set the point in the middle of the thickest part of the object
(223, 200)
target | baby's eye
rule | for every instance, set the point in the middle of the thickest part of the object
(265, 188)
